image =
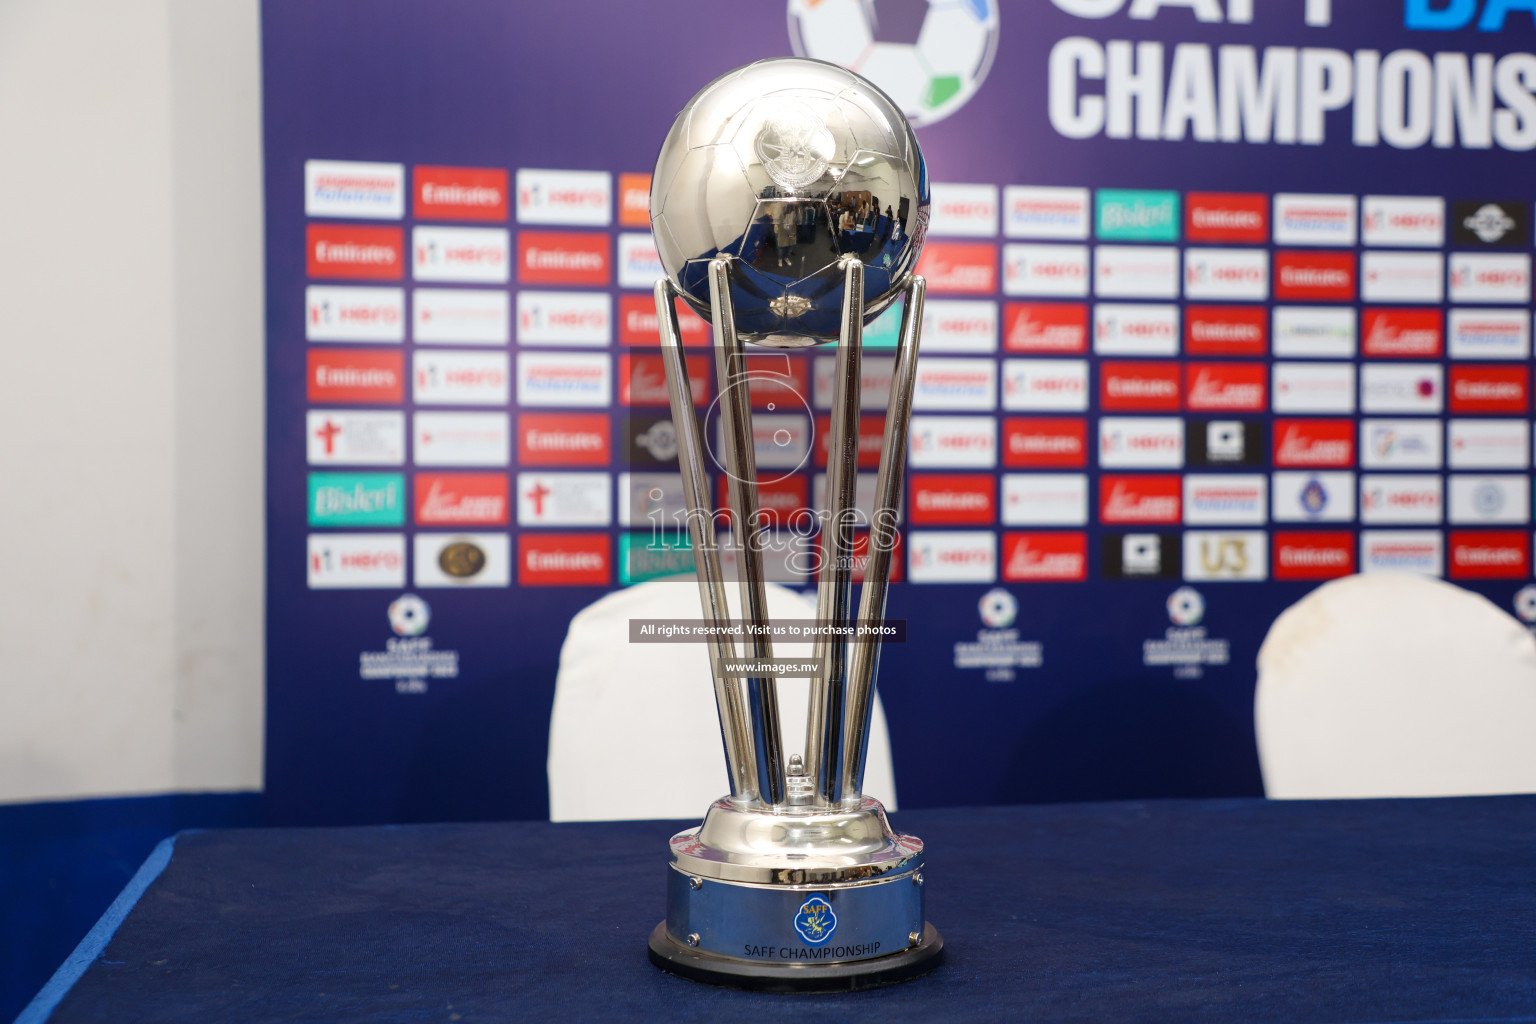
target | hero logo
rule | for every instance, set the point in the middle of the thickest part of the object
(1226, 217)
(953, 441)
(964, 268)
(1226, 273)
(638, 324)
(1490, 277)
(1225, 331)
(334, 313)
(952, 557)
(1045, 557)
(563, 318)
(1135, 329)
(579, 198)
(1400, 498)
(1041, 443)
(466, 316)
(563, 439)
(1327, 276)
(1223, 387)
(356, 560)
(349, 251)
(955, 384)
(1139, 386)
(460, 193)
(461, 254)
(1048, 270)
(1495, 389)
(457, 499)
(348, 188)
(1314, 219)
(1140, 499)
(1411, 333)
(1055, 327)
(564, 559)
(1057, 385)
(1490, 334)
(958, 325)
(562, 257)
(1135, 442)
(963, 210)
(1314, 555)
(1404, 221)
(1490, 554)
(461, 439)
(1041, 212)
(461, 378)
(1315, 443)
(549, 379)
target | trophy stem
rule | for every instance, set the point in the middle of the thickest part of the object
(865, 663)
(746, 524)
(825, 721)
(739, 763)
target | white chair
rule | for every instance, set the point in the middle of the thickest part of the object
(1392, 685)
(634, 732)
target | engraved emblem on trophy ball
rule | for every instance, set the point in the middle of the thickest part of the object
(815, 920)
(795, 146)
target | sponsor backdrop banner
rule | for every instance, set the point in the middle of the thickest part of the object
(1226, 299)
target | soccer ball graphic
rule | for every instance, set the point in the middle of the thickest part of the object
(930, 56)
(1186, 607)
(409, 615)
(788, 166)
(998, 608)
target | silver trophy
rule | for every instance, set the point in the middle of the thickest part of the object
(789, 206)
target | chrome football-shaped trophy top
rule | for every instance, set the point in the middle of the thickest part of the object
(788, 166)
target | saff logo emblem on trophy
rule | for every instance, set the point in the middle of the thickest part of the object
(789, 205)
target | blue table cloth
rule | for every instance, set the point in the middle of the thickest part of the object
(1224, 910)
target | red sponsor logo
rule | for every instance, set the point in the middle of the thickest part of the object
(563, 439)
(953, 499)
(1140, 499)
(356, 375)
(349, 251)
(1226, 387)
(1039, 442)
(638, 324)
(1315, 275)
(643, 380)
(858, 556)
(777, 500)
(1315, 444)
(1045, 557)
(635, 200)
(1490, 554)
(778, 382)
(1411, 333)
(871, 437)
(453, 499)
(1139, 386)
(1226, 331)
(1490, 389)
(563, 257)
(459, 193)
(564, 559)
(1058, 327)
(1226, 217)
(1321, 555)
(962, 268)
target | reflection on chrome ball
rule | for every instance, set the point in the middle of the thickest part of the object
(789, 165)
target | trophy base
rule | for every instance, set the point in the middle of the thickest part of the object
(848, 976)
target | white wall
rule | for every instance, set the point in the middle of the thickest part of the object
(130, 397)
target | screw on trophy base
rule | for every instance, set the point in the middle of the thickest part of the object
(789, 206)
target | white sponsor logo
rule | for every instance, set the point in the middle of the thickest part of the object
(1302, 219)
(460, 316)
(955, 384)
(1490, 334)
(779, 440)
(1060, 270)
(460, 378)
(1225, 499)
(346, 188)
(1136, 271)
(440, 562)
(1045, 499)
(1031, 212)
(1400, 498)
(1400, 444)
(1403, 220)
(1053, 385)
(341, 438)
(959, 325)
(564, 318)
(1490, 277)
(563, 380)
(968, 211)
(1226, 274)
(951, 556)
(1402, 276)
(334, 313)
(1141, 442)
(874, 381)
(639, 265)
(461, 439)
(1313, 387)
(475, 255)
(1407, 387)
(941, 442)
(1135, 329)
(582, 198)
(1490, 499)
(1488, 444)
(652, 499)
(1302, 497)
(346, 560)
(563, 499)
(1220, 555)
(1325, 332)
(1420, 551)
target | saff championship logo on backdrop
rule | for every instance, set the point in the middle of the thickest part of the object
(930, 56)
(815, 920)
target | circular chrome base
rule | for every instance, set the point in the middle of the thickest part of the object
(846, 976)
